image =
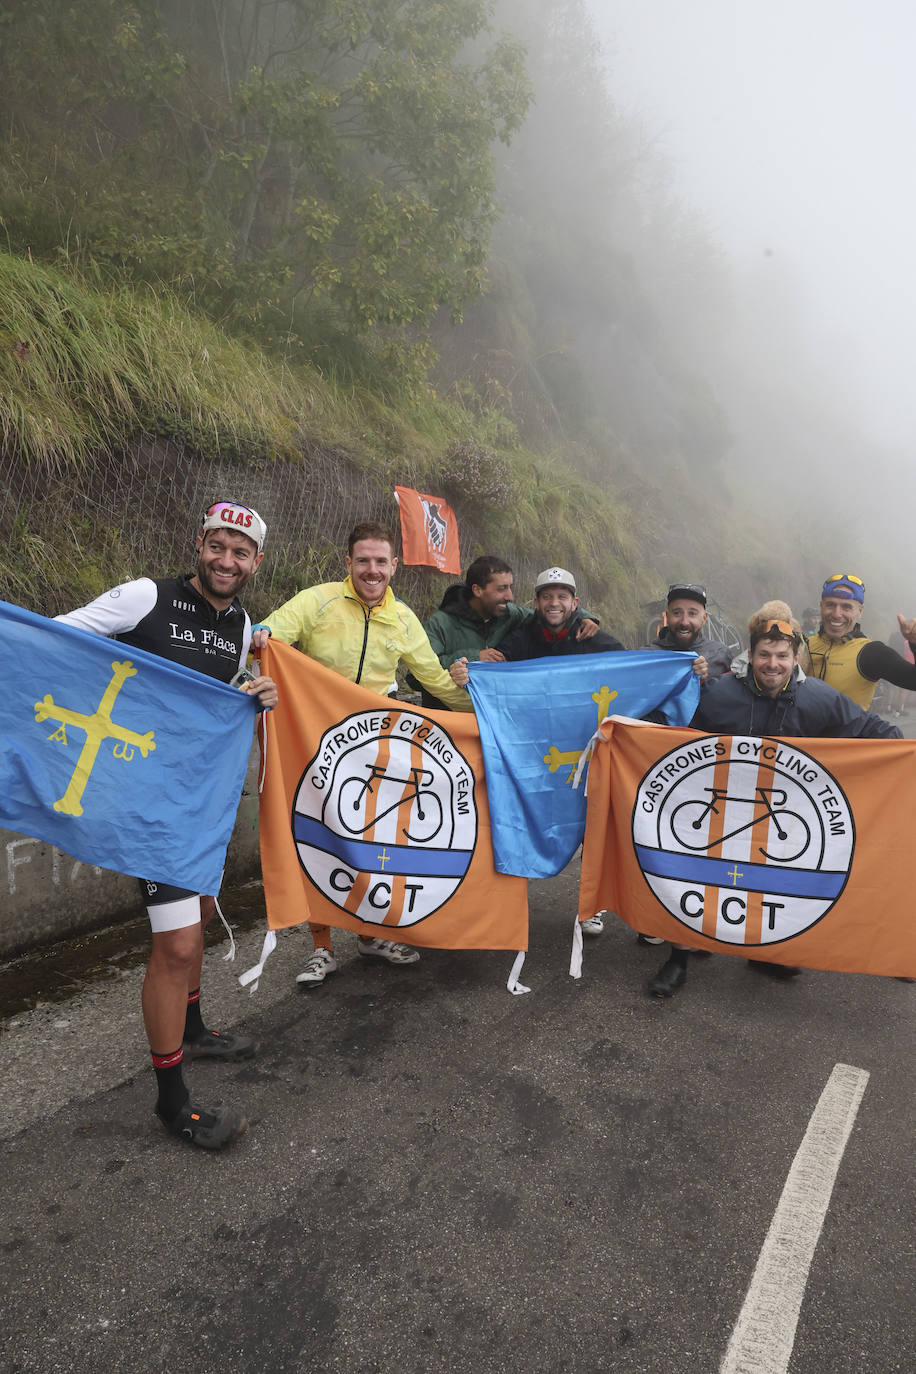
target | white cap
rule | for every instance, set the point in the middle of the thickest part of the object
(229, 515)
(555, 577)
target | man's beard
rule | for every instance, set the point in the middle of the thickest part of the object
(227, 591)
(557, 629)
(684, 640)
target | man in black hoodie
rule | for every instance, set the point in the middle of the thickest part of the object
(474, 618)
(553, 630)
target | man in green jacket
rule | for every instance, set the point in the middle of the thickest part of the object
(475, 616)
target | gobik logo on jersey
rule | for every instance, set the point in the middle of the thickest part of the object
(748, 841)
(384, 817)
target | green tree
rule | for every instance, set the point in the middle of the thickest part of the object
(328, 156)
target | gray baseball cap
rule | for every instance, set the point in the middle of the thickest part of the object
(555, 577)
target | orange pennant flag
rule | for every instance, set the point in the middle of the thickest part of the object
(429, 531)
(374, 816)
(796, 851)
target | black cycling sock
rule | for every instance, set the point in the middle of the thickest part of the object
(678, 956)
(173, 1093)
(194, 1026)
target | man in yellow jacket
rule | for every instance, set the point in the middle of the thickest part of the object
(359, 629)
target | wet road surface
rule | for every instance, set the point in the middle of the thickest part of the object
(438, 1176)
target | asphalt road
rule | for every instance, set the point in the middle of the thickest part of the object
(439, 1176)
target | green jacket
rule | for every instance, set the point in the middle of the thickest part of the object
(457, 631)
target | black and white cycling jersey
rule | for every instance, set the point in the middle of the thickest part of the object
(169, 617)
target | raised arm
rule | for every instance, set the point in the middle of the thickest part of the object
(878, 661)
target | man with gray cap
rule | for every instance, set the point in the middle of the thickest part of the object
(685, 622)
(475, 616)
(553, 630)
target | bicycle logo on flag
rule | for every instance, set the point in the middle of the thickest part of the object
(768, 804)
(384, 816)
(420, 827)
(743, 840)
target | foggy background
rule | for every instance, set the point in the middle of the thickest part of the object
(653, 255)
(789, 129)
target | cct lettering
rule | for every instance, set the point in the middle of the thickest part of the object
(731, 908)
(378, 896)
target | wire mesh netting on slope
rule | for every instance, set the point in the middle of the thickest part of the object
(66, 537)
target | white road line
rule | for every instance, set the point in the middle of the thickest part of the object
(764, 1333)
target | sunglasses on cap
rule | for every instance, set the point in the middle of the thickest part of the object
(232, 515)
(845, 577)
(777, 629)
(844, 585)
(687, 589)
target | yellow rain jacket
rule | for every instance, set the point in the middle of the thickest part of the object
(836, 662)
(332, 625)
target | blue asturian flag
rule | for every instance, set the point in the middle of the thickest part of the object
(117, 756)
(536, 718)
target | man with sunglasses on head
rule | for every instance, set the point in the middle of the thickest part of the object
(197, 621)
(768, 693)
(840, 654)
(685, 622)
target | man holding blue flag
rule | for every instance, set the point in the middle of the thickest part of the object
(553, 631)
(554, 628)
(537, 713)
(475, 616)
(685, 623)
(198, 622)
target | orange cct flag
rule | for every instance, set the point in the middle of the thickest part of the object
(429, 531)
(797, 851)
(374, 816)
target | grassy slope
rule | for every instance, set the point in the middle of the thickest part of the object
(103, 365)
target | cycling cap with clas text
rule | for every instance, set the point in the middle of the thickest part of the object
(229, 515)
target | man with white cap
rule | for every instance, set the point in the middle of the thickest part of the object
(552, 632)
(476, 615)
(197, 621)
